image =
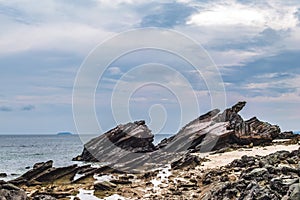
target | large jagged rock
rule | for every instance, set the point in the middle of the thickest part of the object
(118, 142)
(213, 131)
(45, 173)
(130, 145)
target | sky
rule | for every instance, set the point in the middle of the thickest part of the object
(254, 44)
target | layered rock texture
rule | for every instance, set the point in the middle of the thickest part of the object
(131, 144)
(9, 191)
(135, 168)
(119, 142)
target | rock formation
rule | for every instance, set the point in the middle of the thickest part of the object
(9, 191)
(128, 149)
(131, 144)
(275, 176)
(118, 142)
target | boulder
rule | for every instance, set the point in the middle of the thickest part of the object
(187, 160)
(118, 142)
(213, 131)
(294, 191)
(43, 197)
(11, 192)
(37, 169)
(286, 135)
(104, 186)
(42, 173)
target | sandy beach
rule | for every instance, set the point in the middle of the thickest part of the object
(222, 159)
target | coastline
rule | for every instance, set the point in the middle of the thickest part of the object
(163, 183)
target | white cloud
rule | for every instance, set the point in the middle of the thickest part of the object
(56, 25)
(268, 81)
(231, 13)
(114, 71)
(233, 57)
(68, 37)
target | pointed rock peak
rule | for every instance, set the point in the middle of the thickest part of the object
(209, 115)
(238, 107)
(141, 122)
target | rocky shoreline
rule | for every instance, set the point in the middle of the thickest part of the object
(192, 164)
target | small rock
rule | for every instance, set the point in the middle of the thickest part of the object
(258, 174)
(106, 185)
(187, 160)
(43, 197)
(3, 175)
(294, 192)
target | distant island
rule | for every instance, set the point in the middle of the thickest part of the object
(64, 133)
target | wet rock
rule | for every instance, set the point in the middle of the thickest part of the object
(38, 169)
(63, 174)
(45, 173)
(3, 175)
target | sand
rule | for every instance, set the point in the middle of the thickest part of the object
(222, 159)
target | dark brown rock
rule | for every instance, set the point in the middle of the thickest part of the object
(11, 192)
(187, 160)
(130, 145)
(43, 197)
(104, 186)
(38, 169)
(118, 142)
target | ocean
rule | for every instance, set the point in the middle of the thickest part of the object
(20, 151)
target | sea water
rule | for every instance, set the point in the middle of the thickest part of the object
(18, 152)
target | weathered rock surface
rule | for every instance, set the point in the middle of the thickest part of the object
(187, 160)
(11, 192)
(43, 197)
(3, 175)
(269, 177)
(45, 173)
(213, 131)
(118, 142)
(131, 147)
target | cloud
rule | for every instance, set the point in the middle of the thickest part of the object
(65, 37)
(6, 109)
(167, 15)
(232, 13)
(42, 44)
(28, 108)
(114, 71)
(275, 76)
